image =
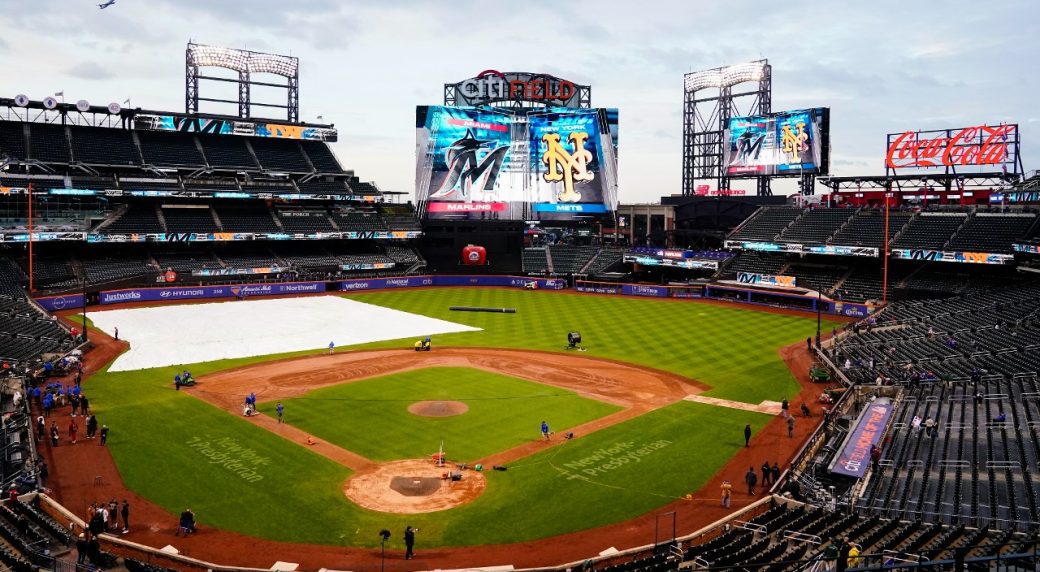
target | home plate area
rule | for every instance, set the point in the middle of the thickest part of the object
(414, 486)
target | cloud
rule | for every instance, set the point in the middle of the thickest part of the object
(89, 70)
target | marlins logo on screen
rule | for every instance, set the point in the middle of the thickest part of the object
(471, 166)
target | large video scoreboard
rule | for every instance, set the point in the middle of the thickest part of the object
(545, 163)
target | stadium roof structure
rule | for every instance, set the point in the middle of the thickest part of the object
(936, 181)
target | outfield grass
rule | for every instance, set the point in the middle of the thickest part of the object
(731, 349)
(503, 412)
(159, 436)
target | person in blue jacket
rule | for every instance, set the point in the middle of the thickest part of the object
(545, 430)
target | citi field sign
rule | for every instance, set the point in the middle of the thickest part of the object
(491, 86)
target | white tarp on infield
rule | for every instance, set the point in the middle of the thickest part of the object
(183, 334)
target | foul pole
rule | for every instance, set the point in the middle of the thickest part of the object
(884, 262)
(32, 286)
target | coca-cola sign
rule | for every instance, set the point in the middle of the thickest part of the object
(971, 146)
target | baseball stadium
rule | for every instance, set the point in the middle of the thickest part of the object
(223, 350)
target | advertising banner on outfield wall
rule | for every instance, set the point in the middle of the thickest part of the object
(641, 290)
(202, 292)
(418, 281)
(597, 288)
(58, 303)
(855, 451)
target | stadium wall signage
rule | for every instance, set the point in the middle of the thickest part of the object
(222, 126)
(956, 256)
(826, 249)
(420, 281)
(855, 453)
(688, 263)
(1026, 248)
(242, 236)
(491, 86)
(977, 145)
(58, 303)
(766, 280)
(202, 292)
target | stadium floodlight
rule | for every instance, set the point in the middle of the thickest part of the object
(725, 76)
(242, 61)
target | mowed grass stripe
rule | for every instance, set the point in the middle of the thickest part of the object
(504, 412)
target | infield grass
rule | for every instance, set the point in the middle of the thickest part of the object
(503, 412)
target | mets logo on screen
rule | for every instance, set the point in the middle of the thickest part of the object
(567, 166)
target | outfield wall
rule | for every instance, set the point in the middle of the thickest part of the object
(729, 293)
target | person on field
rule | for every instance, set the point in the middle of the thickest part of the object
(280, 410)
(545, 430)
(790, 427)
(186, 523)
(126, 516)
(332, 347)
(774, 473)
(784, 406)
(751, 479)
(409, 542)
(765, 473)
(104, 435)
(727, 491)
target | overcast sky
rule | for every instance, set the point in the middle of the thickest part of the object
(881, 66)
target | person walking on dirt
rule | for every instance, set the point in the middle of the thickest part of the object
(808, 344)
(545, 430)
(279, 409)
(91, 426)
(774, 473)
(73, 430)
(784, 406)
(765, 473)
(747, 435)
(409, 542)
(332, 347)
(727, 491)
(125, 511)
(104, 435)
(751, 479)
(790, 427)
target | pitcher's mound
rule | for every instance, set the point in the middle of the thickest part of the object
(411, 487)
(438, 408)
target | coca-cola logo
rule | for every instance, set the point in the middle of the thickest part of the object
(979, 145)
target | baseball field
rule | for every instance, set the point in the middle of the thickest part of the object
(638, 443)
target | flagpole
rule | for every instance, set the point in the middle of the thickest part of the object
(32, 285)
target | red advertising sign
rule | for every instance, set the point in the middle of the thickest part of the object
(970, 146)
(707, 191)
(459, 207)
(170, 276)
